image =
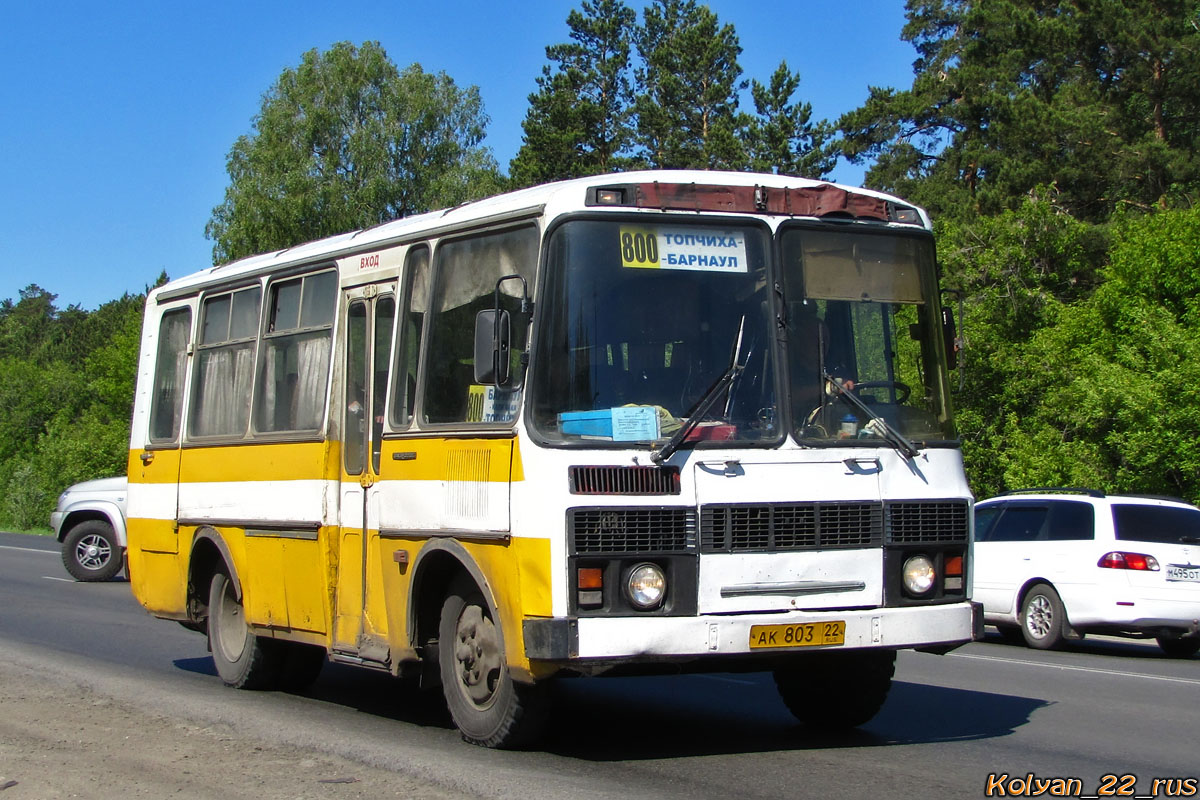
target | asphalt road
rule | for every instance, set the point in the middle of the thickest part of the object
(951, 724)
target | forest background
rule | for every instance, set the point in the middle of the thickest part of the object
(1054, 143)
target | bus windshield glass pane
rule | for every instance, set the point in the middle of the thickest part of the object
(641, 319)
(861, 308)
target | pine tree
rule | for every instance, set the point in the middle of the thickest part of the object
(687, 106)
(1099, 99)
(783, 138)
(578, 121)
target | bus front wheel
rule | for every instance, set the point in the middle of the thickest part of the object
(837, 690)
(243, 660)
(489, 708)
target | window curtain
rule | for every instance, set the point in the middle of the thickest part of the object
(225, 391)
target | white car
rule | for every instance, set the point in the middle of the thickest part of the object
(90, 523)
(1062, 563)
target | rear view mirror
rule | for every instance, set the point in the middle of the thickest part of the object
(950, 338)
(493, 337)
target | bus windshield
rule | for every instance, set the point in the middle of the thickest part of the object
(859, 315)
(641, 319)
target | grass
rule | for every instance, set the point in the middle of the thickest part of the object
(33, 531)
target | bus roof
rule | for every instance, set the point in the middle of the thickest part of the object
(651, 190)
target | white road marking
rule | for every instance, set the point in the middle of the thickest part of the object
(1070, 668)
(28, 549)
(64, 580)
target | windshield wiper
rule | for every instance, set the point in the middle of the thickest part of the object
(890, 434)
(697, 412)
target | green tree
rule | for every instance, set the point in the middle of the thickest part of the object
(345, 141)
(1096, 98)
(783, 138)
(68, 398)
(1119, 372)
(687, 106)
(1016, 272)
(578, 121)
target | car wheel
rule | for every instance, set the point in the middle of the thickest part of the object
(90, 551)
(487, 705)
(1043, 619)
(243, 660)
(837, 690)
(1179, 646)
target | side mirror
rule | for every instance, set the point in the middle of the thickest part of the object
(950, 338)
(493, 337)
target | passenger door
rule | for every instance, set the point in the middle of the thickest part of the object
(370, 316)
(1006, 554)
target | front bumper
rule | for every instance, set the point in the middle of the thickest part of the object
(649, 639)
(56, 521)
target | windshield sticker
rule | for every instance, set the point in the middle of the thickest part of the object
(683, 248)
(489, 404)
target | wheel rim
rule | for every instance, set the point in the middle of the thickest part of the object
(230, 626)
(93, 552)
(477, 657)
(1039, 618)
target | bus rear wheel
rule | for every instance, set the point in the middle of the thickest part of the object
(837, 690)
(243, 660)
(488, 707)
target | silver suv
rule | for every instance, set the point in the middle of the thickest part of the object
(90, 523)
(1061, 563)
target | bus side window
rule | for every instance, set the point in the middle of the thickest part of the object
(170, 369)
(225, 364)
(414, 303)
(296, 346)
(465, 275)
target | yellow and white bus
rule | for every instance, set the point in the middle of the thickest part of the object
(684, 421)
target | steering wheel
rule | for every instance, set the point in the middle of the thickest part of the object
(902, 390)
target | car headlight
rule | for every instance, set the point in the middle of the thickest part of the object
(646, 586)
(919, 575)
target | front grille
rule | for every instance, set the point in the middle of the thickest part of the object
(631, 530)
(624, 480)
(927, 521)
(800, 526)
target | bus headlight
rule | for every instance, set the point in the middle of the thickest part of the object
(646, 586)
(919, 575)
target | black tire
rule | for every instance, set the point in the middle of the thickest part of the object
(300, 665)
(1179, 646)
(243, 660)
(1043, 619)
(90, 551)
(488, 707)
(837, 690)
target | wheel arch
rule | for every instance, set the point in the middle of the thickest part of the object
(100, 510)
(209, 553)
(1028, 586)
(439, 563)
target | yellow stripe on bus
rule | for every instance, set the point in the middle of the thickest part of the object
(447, 459)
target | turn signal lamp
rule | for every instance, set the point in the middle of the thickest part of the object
(1134, 561)
(590, 582)
(952, 568)
(591, 578)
